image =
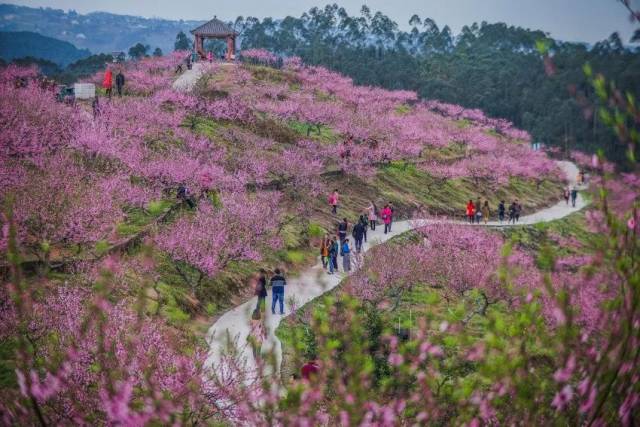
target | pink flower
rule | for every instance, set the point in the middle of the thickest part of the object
(563, 397)
(595, 162)
(631, 223)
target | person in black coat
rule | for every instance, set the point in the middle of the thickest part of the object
(501, 210)
(358, 235)
(119, 82)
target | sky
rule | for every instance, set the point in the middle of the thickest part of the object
(569, 20)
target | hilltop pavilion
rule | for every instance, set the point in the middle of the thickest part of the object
(214, 29)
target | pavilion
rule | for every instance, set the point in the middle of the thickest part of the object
(214, 29)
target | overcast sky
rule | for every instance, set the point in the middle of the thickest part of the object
(571, 20)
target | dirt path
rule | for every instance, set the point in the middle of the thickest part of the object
(314, 282)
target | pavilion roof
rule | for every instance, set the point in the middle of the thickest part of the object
(215, 27)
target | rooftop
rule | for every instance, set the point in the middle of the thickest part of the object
(215, 27)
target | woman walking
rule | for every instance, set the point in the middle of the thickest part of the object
(373, 215)
(471, 211)
(486, 211)
(346, 256)
(386, 218)
(364, 221)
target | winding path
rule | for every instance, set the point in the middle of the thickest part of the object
(315, 281)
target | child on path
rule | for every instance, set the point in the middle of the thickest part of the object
(324, 251)
(478, 210)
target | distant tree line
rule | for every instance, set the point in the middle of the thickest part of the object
(494, 67)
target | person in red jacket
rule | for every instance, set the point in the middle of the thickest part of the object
(107, 82)
(471, 211)
(386, 217)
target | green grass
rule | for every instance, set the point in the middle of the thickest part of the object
(137, 219)
(320, 133)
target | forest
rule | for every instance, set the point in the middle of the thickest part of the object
(495, 67)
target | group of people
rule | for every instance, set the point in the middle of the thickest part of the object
(330, 247)
(107, 82)
(478, 211)
(571, 193)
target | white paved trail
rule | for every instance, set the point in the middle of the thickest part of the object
(188, 79)
(314, 282)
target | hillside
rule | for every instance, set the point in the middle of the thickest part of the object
(128, 230)
(21, 44)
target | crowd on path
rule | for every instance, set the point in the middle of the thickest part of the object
(479, 212)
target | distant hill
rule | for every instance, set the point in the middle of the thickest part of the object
(21, 44)
(99, 32)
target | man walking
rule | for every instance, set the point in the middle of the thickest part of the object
(358, 235)
(278, 283)
(501, 211)
(333, 256)
(119, 82)
(574, 196)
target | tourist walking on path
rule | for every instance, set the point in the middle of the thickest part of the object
(567, 194)
(107, 82)
(278, 283)
(343, 228)
(478, 206)
(119, 82)
(189, 66)
(364, 220)
(574, 196)
(518, 211)
(393, 211)
(373, 215)
(512, 213)
(358, 235)
(501, 211)
(324, 251)
(386, 218)
(261, 290)
(486, 212)
(333, 201)
(333, 256)
(346, 256)
(471, 211)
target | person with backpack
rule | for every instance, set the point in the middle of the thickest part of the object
(333, 256)
(386, 218)
(501, 211)
(119, 82)
(567, 195)
(358, 234)
(574, 196)
(343, 227)
(324, 252)
(471, 211)
(486, 212)
(364, 220)
(373, 215)
(261, 290)
(333, 201)
(346, 256)
(278, 282)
